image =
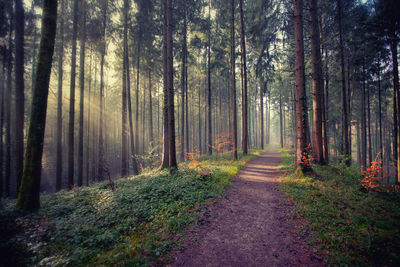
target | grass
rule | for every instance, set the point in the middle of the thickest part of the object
(135, 224)
(349, 225)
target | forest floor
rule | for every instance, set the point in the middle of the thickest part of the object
(251, 226)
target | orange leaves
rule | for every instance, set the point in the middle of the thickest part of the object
(373, 179)
(306, 160)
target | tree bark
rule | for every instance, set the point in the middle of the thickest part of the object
(170, 86)
(346, 154)
(301, 99)
(363, 124)
(101, 95)
(245, 130)
(28, 197)
(209, 82)
(233, 81)
(59, 99)
(316, 84)
(261, 115)
(72, 99)
(165, 159)
(82, 93)
(128, 82)
(19, 90)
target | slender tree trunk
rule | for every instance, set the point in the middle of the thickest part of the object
(316, 84)
(72, 99)
(233, 81)
(29, 194)
(101, 95)
(346, 151)
(124, 166)
(183, 80)
(170, 86)
(363, 125)
(59, 98)
(128, 82)
(380, 111)
(200, 150)
(396, 147)
(165, 159)
(151, 140)
(369, 129)
(19, 90)
(209, 82)
(3, 79)
(245, 130)
(187, 103)
(261, 115)
(137, 92)
(280, 121)
(82, 95)
(7, 167)
(301, 99)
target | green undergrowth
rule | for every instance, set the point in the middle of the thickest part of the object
(349, 225)
(134, 224)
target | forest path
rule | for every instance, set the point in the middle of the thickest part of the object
(250, 226)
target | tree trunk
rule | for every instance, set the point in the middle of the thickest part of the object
(316, 84)
(346, 154)
(369, 129)
(7, 167)
(363, 125)
(245, 130)
(151, 137)
(261, 115)
(19, 90)
(165, 159)
(128, 82)
(72, 99)
(28, 197)
(82, 95)
(280, 121)
(380, 111)
(209, 82)
(59, 99)
(301, 99)
(170, 86)
(233, 81)
(396, 147)
(124, 142)
(183, 80)
(101, 95)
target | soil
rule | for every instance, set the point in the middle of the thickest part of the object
(252, 225)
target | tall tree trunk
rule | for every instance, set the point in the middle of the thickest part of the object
(7, 167)
(82, 95)
(393, 48)
(183, 80)
(19, 91)
(261, 115)
(369, 129)
(59, 98)
(101, 95)
(346, 154)
(301, 99)
(2, 81)
(233, 81)
(137, 92)
(29, 194)
(128, 82)
(151, 137)
(326, 109)
(380, 111)
(124, 142)
(245, 104)
(200, 140)
(170, 86)
(165, 159)
(72, 99)
(209, 82)
(280, 121)
(316, 84)
(363, 124)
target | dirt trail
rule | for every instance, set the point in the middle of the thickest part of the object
(250, 226)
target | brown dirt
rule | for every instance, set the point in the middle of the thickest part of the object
(251, 226)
